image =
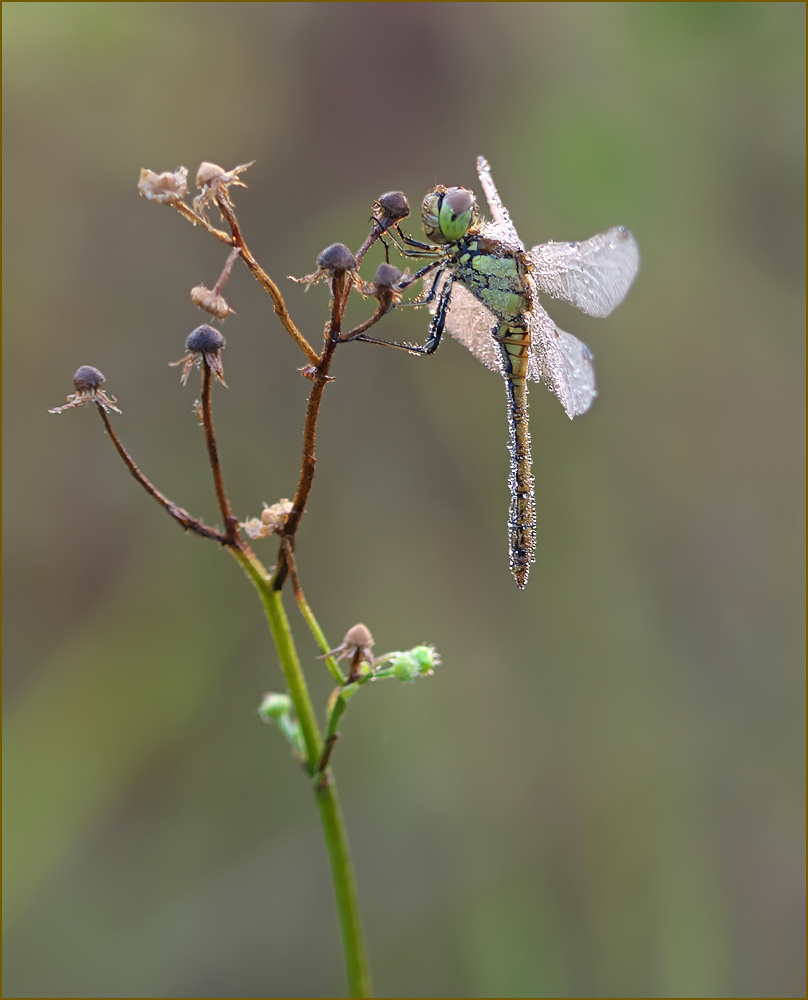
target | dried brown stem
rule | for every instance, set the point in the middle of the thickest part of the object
(230, 522)
(180, 515)
(341, 287)
(373, 235)
(228, 267)
(199, 220)
(264, 279)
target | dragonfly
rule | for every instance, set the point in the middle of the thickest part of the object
(483, 286)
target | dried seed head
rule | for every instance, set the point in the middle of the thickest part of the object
(355, 647)
(204, 338)
(335, 258)
(390, 208)
(358, 636)
(87, 378)
(204, 342)
(211, 179)
(385, 286)
(165, 188)
(272, 520)
(87, 382)
(210, 302)
(387, 276)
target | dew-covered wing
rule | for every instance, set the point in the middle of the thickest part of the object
(468, 321)
(562, 362)
(505, 228)
(593, 275)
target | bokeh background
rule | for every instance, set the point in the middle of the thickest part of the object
(600, 791)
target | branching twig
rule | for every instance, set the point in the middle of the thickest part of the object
(180, 515)
(341, 286)
(230, 522)
(199, 220)
(264, 279)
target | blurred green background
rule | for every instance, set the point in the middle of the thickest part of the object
(600, 791)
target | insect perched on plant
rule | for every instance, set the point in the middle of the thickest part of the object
(483, 287)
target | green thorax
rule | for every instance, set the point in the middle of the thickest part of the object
(492, 273)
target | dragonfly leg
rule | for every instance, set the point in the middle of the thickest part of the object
(436, 327)
(419, 249)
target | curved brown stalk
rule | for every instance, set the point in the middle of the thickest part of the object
(180, 515)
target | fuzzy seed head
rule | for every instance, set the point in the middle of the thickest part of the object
(337, 257)
(87, 379)
(205, 340)
(387, 276)
(358, 636)
(165, 188)
(394, 205)
(214, 304)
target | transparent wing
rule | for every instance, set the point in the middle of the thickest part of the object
(593, 275)
(469, 321)
(505, 229)
(562, 362)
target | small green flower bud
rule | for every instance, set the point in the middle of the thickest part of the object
(426, 657)
(405, 667)
(414, 663)
(274, 706)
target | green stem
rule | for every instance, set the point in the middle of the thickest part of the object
(344, 887)
(319, 636)
(324, 789)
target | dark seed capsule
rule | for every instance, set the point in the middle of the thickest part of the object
(204, 339)
(87, 378)
(395, 206)
(337, 257)
(386, 276)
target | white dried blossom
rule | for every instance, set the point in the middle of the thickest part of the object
(211, 179)
(210, 301)
(271, 521)
(165, 188)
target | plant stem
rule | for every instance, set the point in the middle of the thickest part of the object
(345, 888)
(324, 789)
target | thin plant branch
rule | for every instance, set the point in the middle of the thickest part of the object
(341, 286)
(308, 616)
(264, 280)
(199, 220)
(180, 515)
(230, 521)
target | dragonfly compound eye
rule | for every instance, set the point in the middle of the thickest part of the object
(456, 213)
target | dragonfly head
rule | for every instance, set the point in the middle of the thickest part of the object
(448, 213)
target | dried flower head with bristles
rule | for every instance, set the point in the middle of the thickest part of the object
(165, 188)
(390, 208)
(87, 382)
(211, 302)
(211, 179)
(356, 647)
(207, 343)
(385, 285)
(272, 520)
(336, 259)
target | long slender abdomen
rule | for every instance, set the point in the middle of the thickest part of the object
(515, 345)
